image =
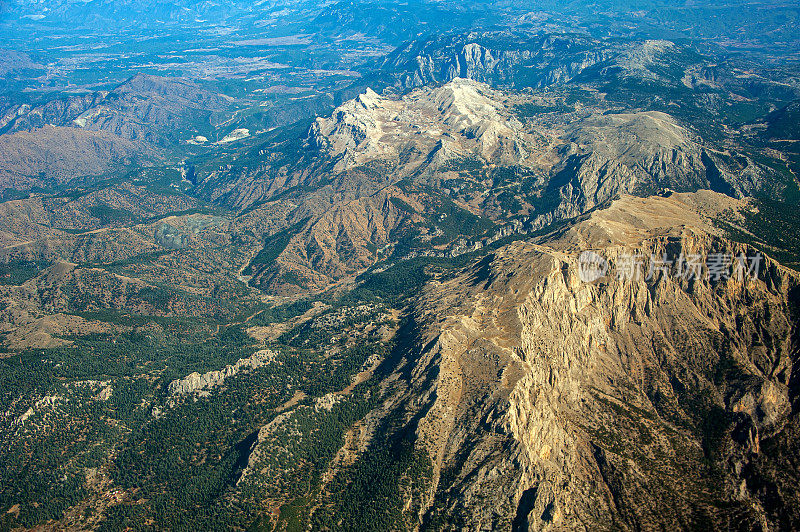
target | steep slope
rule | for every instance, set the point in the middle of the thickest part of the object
(517, 59)
(52, 156)
(58, 112)
(639, 153)
(567, 162)
(460, 119)
(341, 242)
(469, 146)
(153, 109)
(584, 157)
(503, 58)
(156, 109)
(545, 402)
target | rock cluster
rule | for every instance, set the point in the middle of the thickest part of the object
(196, 382)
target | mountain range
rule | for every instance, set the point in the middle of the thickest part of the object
(372, 266)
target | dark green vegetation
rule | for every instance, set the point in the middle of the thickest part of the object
(771, 226)
(369, 494)
(281, 313)
(784, 123)
(273, 247)
(444, 219)
(17, 272)
(532, 109)
(180, 458)
(772, 221)
(176, 462)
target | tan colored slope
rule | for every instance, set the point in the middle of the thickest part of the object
(554, 404)
(337, 243)
(630, 220)
(463, 118)
(54, 155)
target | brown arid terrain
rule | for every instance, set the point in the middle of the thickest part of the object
(464, 142)
(59, 154)
(545, 402)
(422, 266)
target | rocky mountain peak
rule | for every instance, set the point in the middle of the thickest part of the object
(369, 99)
(464, 112)
(537, 391)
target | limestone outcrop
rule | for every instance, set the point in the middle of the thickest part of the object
(195, 382)
(546, 402)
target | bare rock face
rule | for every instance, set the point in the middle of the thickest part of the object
(462, 116)
(626, 153)
(638, 153)
(195, 382)
(500, 58)
(546, 402)
(582, 159)
(508, 59)
(469, 144)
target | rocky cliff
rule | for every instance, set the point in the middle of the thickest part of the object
(475, 147)
(572, 160)
(545, 402)
(462, 118)
(514, 59)
(501, 58)
(195, 382)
